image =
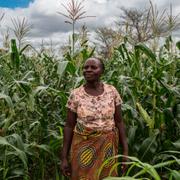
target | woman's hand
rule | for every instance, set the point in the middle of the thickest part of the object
(124, 165)
(65, 168)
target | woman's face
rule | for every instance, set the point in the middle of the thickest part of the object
(92, 70)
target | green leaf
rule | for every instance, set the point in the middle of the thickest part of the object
(178, 45)
(19, 153)
(24, 48)
(40, 89)
(175, 174)
(42, 147)
(145, 116)
(177, 144)
(163, 164)
(61, 68)
(174, 90)
(7, 99)
(120, 178)
(71, 68)
(148, 147)
(26, 86)
(146, 50)
(131, 134)
(150, 170)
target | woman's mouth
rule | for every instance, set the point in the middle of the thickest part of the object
(88, 75)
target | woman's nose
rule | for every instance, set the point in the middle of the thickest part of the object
(89, 69)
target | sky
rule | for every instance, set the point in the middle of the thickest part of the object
(48, 25)
(14, 3)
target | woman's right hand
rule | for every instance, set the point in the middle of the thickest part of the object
(65, 168)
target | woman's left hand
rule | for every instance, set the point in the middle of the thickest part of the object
(124, 165)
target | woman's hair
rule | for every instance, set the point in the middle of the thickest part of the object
(101, 62)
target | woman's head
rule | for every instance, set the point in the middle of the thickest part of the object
(93, 69)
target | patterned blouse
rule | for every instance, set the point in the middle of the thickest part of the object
(96, 112)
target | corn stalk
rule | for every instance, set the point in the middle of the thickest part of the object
(75, 12)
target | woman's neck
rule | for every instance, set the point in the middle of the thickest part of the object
(93, 85)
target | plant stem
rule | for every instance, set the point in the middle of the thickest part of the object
(73, 24)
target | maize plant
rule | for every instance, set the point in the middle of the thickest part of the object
(33, 95)
(148, 84)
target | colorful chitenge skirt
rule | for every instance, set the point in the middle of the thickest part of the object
(91, 153)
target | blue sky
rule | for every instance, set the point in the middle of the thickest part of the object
(14, 3)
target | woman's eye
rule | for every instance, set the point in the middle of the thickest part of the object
(89, 67)
(94, 67)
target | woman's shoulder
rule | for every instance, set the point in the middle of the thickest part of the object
(114, 93)
(109, 87)
(77, 90)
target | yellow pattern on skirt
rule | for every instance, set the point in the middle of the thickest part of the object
(89, 150)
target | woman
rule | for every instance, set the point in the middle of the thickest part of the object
(93, 127)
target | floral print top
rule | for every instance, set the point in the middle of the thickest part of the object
(96, 112)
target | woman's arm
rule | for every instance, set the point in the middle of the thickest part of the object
(122, 135)
(67, 140)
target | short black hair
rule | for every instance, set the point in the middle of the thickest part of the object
(100, 61)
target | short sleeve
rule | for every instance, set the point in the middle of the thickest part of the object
(72, 102)
(117, 97)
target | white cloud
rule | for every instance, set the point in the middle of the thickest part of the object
(48, 24)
